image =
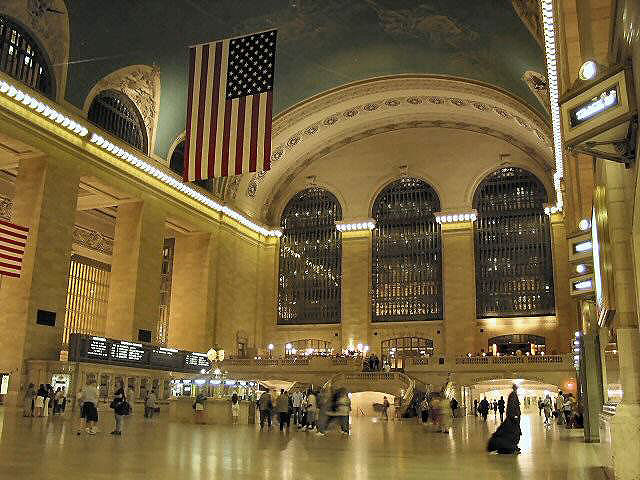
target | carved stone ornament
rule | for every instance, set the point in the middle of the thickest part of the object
(6, 205)
(92, 240)
(141, 83)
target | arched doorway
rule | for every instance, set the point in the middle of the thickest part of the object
(517, 344)
(396, 351)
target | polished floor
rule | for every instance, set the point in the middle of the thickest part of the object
(158, 449)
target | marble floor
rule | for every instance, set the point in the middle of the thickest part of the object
(158, 449)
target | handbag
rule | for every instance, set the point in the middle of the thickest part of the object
(113, 404)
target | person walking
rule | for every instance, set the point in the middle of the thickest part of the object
(28, 401)
(48, 400)
(198, 408)
(282, 408)
(311, 410)
(296, 400)
(454, 406)
(235, 409)
(88, 398)
(501, 406)
(495, 409)
(568, 407)
(150, 404)
(507, 436)
(483, 408)
(560, 408)
(385, 408)
(265, 406)
(475, 407)
(540, 406)
(131, 396)
(119, 405)
(343, 407)
(547, 410)
(39, 400)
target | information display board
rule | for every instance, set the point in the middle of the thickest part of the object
(89, 348)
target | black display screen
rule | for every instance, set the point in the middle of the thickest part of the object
(594, 107)
(89, 348)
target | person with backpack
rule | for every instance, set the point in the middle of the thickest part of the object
(265, 406)
(120, 407)
(483, 408)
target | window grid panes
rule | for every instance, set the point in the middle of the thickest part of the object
(514, 270)
(407, 254)
(310, 260)
(87, 297)
(117, 114)
(21, 58)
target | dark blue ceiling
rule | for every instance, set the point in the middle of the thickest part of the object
(322, 44)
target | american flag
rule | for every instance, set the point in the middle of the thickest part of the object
(229, 107)
(13, 240)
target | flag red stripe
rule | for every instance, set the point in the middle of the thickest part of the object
(13, 234)
(9, 257)
(242, 102)
(10, 265)
(9, 274)
(253, 152)
(224, 167)
(17, 227)
(202, 95)
(13, 242)
(217, 65)
(267, 131)
(12, 250)
(192, 66)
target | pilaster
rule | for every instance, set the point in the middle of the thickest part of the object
(45, 202)
(356, 274)
(193, 293)
(134, 290)
(459, 288)
(565, 311)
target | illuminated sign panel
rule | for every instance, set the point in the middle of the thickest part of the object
(594, 107)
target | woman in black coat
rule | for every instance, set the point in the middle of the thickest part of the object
(507, 436)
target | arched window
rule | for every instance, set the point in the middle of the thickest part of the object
(23, 59)
(514, 270)
(117, 114)
(176, 163)
(407, 254)
(310, 259)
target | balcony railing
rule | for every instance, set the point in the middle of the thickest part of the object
(510, 360)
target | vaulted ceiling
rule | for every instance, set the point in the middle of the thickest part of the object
(322, 44)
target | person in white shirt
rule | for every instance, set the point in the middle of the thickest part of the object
(88, 398)
(296, 400)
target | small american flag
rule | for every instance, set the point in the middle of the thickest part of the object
(13, 240)
(229, 107)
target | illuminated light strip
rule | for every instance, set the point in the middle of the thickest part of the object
(552, 74)
(456, 217)
(42, 109)
(66, 122)
(356, 226)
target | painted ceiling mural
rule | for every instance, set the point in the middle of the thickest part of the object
(322, 44)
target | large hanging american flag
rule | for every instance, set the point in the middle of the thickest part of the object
(13, 240)
(229, 107)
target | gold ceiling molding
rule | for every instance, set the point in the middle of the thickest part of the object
(352, 107)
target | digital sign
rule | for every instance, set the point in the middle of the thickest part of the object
(94, 349)
(594, 107)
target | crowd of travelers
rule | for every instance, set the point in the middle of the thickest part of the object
(44, 401)
(311, 410)
(565, 409)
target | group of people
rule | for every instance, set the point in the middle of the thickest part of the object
(565, 409)
(373, 364)
(310, 410)
(483, 408)
(41, 402)
(438, 410)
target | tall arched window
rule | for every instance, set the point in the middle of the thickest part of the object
(407, 254)
(117, 114)
(22, 58)
(310, 259)
(514, 270)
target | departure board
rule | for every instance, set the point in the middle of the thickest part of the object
(197, 361)
(89, 348)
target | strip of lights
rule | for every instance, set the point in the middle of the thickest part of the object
(356, 226)
(63, 121)
(456, 217)
(43, 109)
(552, 76)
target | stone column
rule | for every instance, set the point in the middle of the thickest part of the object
(626, 422)
(591, 373)
(45, 202)
(134, 290)
(459, 288)
(565, 312)
(193, 292)
(356, 275)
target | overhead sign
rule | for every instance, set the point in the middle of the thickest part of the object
(591, 109)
